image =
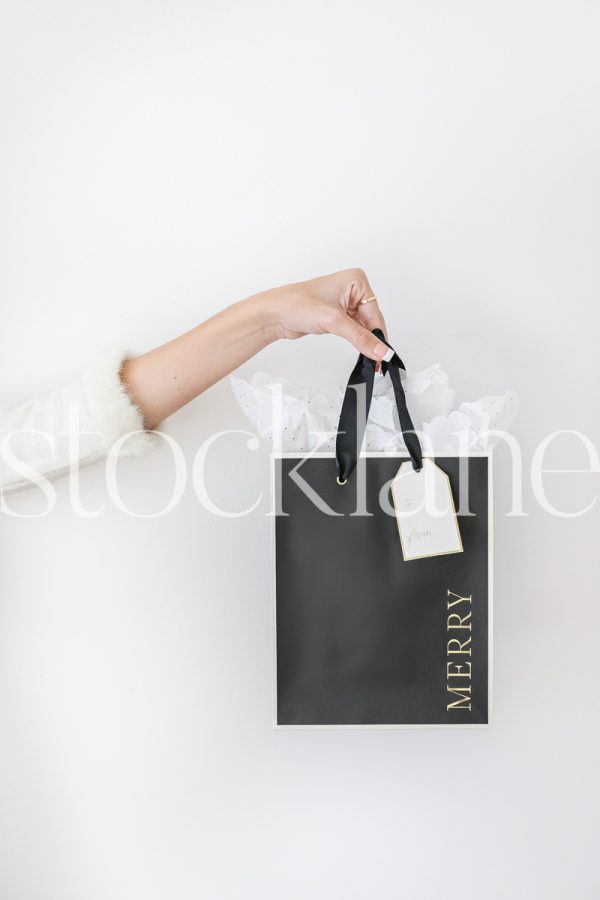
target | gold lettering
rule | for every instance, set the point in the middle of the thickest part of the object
(460, 619)
(464, 694)
(456, 621)
(459, 669)
(460, 646)
(459, 599)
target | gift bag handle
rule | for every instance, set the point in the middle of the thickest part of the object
(351, 430)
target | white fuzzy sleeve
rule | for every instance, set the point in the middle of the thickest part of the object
(74, 424)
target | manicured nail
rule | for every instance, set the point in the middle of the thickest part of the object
(381, 351)
(387, 357)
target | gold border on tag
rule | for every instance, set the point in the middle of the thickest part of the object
(451, 495)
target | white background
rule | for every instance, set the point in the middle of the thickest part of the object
(159, 160)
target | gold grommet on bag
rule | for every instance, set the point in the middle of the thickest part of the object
(367, 300)
(341, 482)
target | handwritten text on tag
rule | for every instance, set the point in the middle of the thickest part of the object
(425, 511)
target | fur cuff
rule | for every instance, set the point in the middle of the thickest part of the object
(111, 408)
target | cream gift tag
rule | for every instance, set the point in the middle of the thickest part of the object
(425, 511)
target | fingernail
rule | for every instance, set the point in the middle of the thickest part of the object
(388, 353)
(381, 351)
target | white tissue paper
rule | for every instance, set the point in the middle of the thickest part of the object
(309, 418)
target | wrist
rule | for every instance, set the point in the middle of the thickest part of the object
(268, 308)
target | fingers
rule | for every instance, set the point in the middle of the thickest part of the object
(368, 314)
(370, 317)
(360, 337)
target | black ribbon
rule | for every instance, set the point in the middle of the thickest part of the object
(351, 428)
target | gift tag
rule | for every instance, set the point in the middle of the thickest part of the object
(425, 511)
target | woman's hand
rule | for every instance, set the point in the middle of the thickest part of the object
(164, 379)
(329, 305)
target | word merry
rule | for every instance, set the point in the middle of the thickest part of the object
(458, 671)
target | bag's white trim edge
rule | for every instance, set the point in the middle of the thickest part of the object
(385, 727)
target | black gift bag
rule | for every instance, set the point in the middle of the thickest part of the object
(364, 637)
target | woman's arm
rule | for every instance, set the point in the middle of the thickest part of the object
(79, 423)
(166, 378)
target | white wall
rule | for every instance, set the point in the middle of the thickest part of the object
(157, 161)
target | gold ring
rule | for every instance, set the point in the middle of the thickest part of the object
(367, 300)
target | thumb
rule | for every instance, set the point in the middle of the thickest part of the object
(361, 338)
